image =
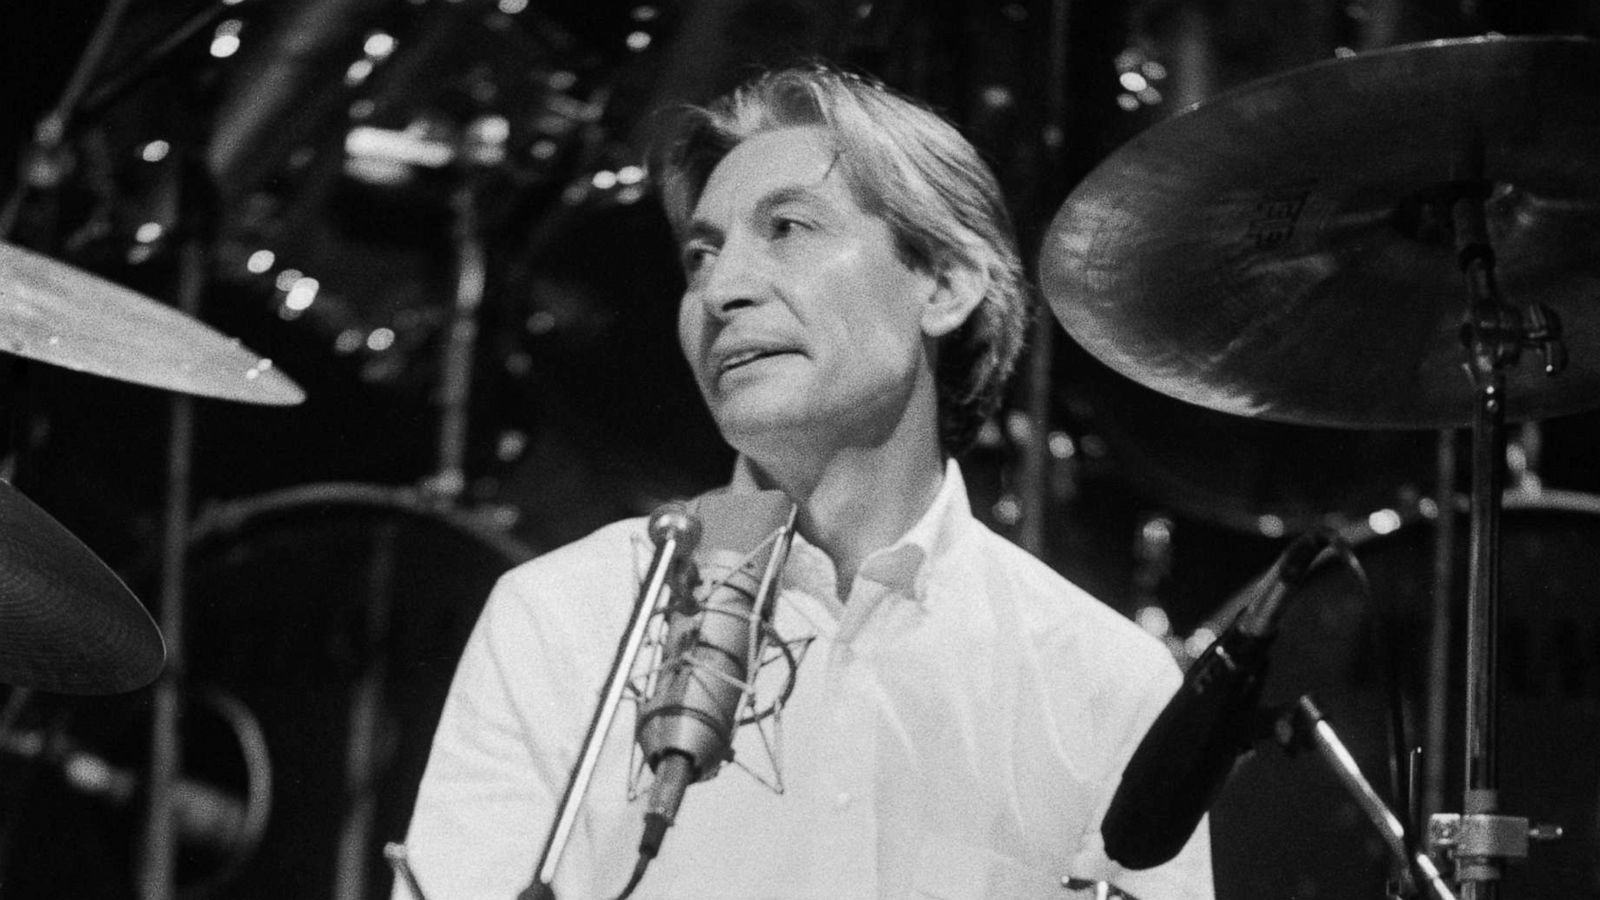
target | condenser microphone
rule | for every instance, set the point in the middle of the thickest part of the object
(1189, 751)
(712, 647)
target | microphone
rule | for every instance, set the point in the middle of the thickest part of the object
(1189, 751)
(712, 646)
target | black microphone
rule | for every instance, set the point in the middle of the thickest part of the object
(685, 729)
(1189, 751)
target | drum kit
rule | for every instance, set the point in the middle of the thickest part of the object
(1402, 239)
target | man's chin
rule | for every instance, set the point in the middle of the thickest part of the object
(761, 430)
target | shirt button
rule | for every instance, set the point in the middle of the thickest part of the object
(842, 801)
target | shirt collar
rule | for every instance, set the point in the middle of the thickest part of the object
(902, 566)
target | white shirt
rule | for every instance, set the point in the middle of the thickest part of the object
(956, 731)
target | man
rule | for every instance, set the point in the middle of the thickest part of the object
(854, 305)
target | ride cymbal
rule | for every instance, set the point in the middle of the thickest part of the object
(57, 314)
(1284, 250)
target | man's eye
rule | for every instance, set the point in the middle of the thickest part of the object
(784, 226)
(695, 256)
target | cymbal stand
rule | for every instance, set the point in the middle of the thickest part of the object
(158, 860)
(1302, 725)
(482, 145)
(1494, 334)
(45, 165)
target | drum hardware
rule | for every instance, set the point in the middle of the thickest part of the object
(1441, 623)
(1303, 725)
(482, 146)
(1277, 253)
(45, 165)
(157, 875)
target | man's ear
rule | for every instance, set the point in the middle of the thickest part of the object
(957, 292)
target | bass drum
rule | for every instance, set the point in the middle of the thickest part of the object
(1284, 827)
(336, 613)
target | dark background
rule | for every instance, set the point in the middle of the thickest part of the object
(581, 411)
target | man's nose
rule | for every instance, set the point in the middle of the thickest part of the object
(734, 281)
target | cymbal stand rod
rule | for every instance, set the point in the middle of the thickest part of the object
(1492, 342)
(44, 162)
(158, 862)
(364, 732)
(458, 351)
(1483, 588)
(1441, 625)
(1033, 471)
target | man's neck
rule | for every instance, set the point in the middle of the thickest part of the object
(858, 501)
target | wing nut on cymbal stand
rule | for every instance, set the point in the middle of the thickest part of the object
(1493, 332)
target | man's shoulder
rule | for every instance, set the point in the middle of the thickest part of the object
(612, 554)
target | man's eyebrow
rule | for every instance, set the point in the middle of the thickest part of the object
(789, 193)
(704, 230)
(699, 231)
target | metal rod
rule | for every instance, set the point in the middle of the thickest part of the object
(1311, 727)
(1491, 346)
(1033, 487)
(51, 131)
(159, 860)
(458, 349)
(363, 730)
(1478, 875)
(1441, 625)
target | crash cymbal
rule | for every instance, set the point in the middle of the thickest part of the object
(67, 624)
(54, 313)
(1278, 251)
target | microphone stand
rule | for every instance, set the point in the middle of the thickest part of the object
(1302, 725)
(674, 532)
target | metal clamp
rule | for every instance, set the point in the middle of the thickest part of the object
(1481, 841)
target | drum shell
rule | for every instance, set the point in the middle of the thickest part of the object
(319, 607)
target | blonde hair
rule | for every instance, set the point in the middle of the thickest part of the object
(905, 165)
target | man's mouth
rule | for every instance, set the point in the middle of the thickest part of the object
(746, 357)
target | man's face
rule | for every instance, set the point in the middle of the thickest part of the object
(800, 321)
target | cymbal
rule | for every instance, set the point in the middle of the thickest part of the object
(1272, 252)
(67, 623)
(57, 314)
